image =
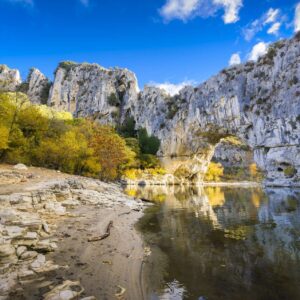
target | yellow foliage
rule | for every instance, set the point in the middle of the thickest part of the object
(233, 140)
(156, 171)
(50, 113)
(41, 136)
(214, 173)
(112, 152)
(4, 134)
(130, 173)
(131, 192)
(253, 170)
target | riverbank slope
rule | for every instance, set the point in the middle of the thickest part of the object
(46, 221)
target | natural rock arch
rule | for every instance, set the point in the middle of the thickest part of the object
(257, 102)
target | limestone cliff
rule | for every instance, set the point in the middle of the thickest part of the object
(38, 86)
(9, 79)
(258, 102)
(90, 90)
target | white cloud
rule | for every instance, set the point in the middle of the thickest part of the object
(274, 28)
(258, 50)
(179, 9)
(235, 59)
(297, 18)
(172, 88)
(186, 9)
(232, 8)
(272, 15)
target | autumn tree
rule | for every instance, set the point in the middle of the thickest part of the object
(111, 151)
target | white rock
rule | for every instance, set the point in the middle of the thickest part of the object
(20, 167)
(29, 255)
(9, 79)
(21, 250)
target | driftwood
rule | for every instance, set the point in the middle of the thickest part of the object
(124, 213)
(103, 236)
(146, 200)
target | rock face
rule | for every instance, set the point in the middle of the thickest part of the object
(230, 155)
(9, 79)
(38, 87)
(257, 102)
(90, 90)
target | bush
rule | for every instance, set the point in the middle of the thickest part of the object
(148, 144)
(290, 171)
(113, 100)
(37, 135)
(127, 129)
(45, 92)
(214, 173)
(66, 65)
(149, 161)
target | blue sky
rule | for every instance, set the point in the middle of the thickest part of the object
(162, 41)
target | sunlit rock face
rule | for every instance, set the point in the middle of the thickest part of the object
(9, 79)
(90, 90)
(257, 102)
(38, 87)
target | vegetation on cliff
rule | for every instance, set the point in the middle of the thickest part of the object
(40, 136)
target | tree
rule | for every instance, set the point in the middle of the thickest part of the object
(148, 144)
(3, 137)
(215, 172)
(111, 151)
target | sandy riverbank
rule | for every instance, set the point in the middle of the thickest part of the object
(50, 216)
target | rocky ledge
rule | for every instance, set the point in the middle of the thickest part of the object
(28, 230)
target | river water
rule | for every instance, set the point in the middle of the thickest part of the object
(221, 243)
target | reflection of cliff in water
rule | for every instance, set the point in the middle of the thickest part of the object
(223, 243)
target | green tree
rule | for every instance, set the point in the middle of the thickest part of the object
(148, 144)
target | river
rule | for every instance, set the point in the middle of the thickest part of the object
(224, 243)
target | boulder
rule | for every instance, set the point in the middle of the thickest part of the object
(20, 167)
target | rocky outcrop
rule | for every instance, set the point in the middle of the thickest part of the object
(9, 79)
(258, 102)
(231, 155)
(38, 87)
(90, 90)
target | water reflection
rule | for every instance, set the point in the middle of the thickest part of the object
(222, 243)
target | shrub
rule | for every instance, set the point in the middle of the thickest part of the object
(127, 129)
(157, 171)
(290, 171)
(45, 92)
(113, 100)
(37, 135)
(66, 65)
(112, 152)
(214, 173)
(130, 174)
(149, 161)
(148, 144)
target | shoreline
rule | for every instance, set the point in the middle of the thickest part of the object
(46, 221)
(202, 184)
